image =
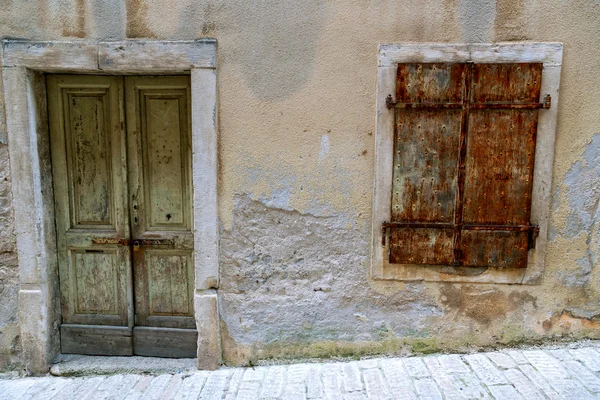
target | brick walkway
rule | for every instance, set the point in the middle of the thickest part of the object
(564, 373)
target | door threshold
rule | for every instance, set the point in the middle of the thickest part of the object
(81, 365)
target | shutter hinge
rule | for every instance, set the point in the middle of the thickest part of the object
(385, 231)
(547, 102)
(533, 232)
(389, 102)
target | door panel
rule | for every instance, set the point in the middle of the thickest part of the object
(160, 163)
(89, 174)
(123, 224)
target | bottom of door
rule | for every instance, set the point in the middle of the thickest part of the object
(96, 340)
(101, 340)
(165, 342)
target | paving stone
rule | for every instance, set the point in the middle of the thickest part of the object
(444, 381)
(561, 354)
(470, 386)
(139, 388)
(11, 388)
(453, 363)
(115, 387)
(297, 373)
(216, 385)
(518, 357)
(505, 392)
(398, 379)
(583, 375)
(172, 387)
(249, 390)
(36, 389)
(538, 380)
(588, 356)
(502, 360)
(355, 396)
(314, 386)
(157, 387)
(52, 389)
(331, 381)
(67, 392)
(547, 365)
(254, 374)
(272, 386)
(375, 385)
(427, 389)
(571, 389)
(415, 367)
(523, 385)
(370, 363)
(234, 384)
(88, 385)
(352, 380)
(191, 386)
(485, 370)
(294, 391)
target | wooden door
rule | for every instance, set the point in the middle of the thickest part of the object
(122, 181)
(160, 163)
(90, 191)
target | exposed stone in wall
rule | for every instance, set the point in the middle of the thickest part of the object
(10, 348)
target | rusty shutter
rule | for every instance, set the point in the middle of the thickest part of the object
(464, 146)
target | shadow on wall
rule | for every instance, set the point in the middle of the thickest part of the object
(276, 46)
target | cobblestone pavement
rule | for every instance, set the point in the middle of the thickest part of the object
(563, 373)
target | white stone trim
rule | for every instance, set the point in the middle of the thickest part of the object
(550, 54)
(23, 63)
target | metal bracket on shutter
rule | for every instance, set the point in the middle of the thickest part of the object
(533, 231)
(547, 102)
(389, 102)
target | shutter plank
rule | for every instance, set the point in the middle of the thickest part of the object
(499, 164)
(421, 246)
(430, 83)
(426, 146)
(425, 163)
(504, 249)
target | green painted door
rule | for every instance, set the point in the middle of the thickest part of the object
(121, 164)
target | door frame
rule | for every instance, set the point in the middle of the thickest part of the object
(24, 64)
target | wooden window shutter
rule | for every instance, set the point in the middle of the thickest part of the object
(464, 147)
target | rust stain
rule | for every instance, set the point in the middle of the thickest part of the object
(137, 19)
(568, 320)
(78, 30)
(483, 306)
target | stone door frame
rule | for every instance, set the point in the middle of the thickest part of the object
(23, 66)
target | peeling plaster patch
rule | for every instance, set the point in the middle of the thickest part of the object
(476, 18)
(485, 306)
(288, 277)
(324, 147)
(582, 189)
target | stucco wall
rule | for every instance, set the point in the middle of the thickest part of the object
(297, 87)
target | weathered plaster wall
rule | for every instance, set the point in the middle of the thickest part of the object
(297, 86)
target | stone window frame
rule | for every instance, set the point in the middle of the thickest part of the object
(24, 64)
(389, 55)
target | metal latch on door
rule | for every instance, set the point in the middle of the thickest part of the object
(136, 243)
